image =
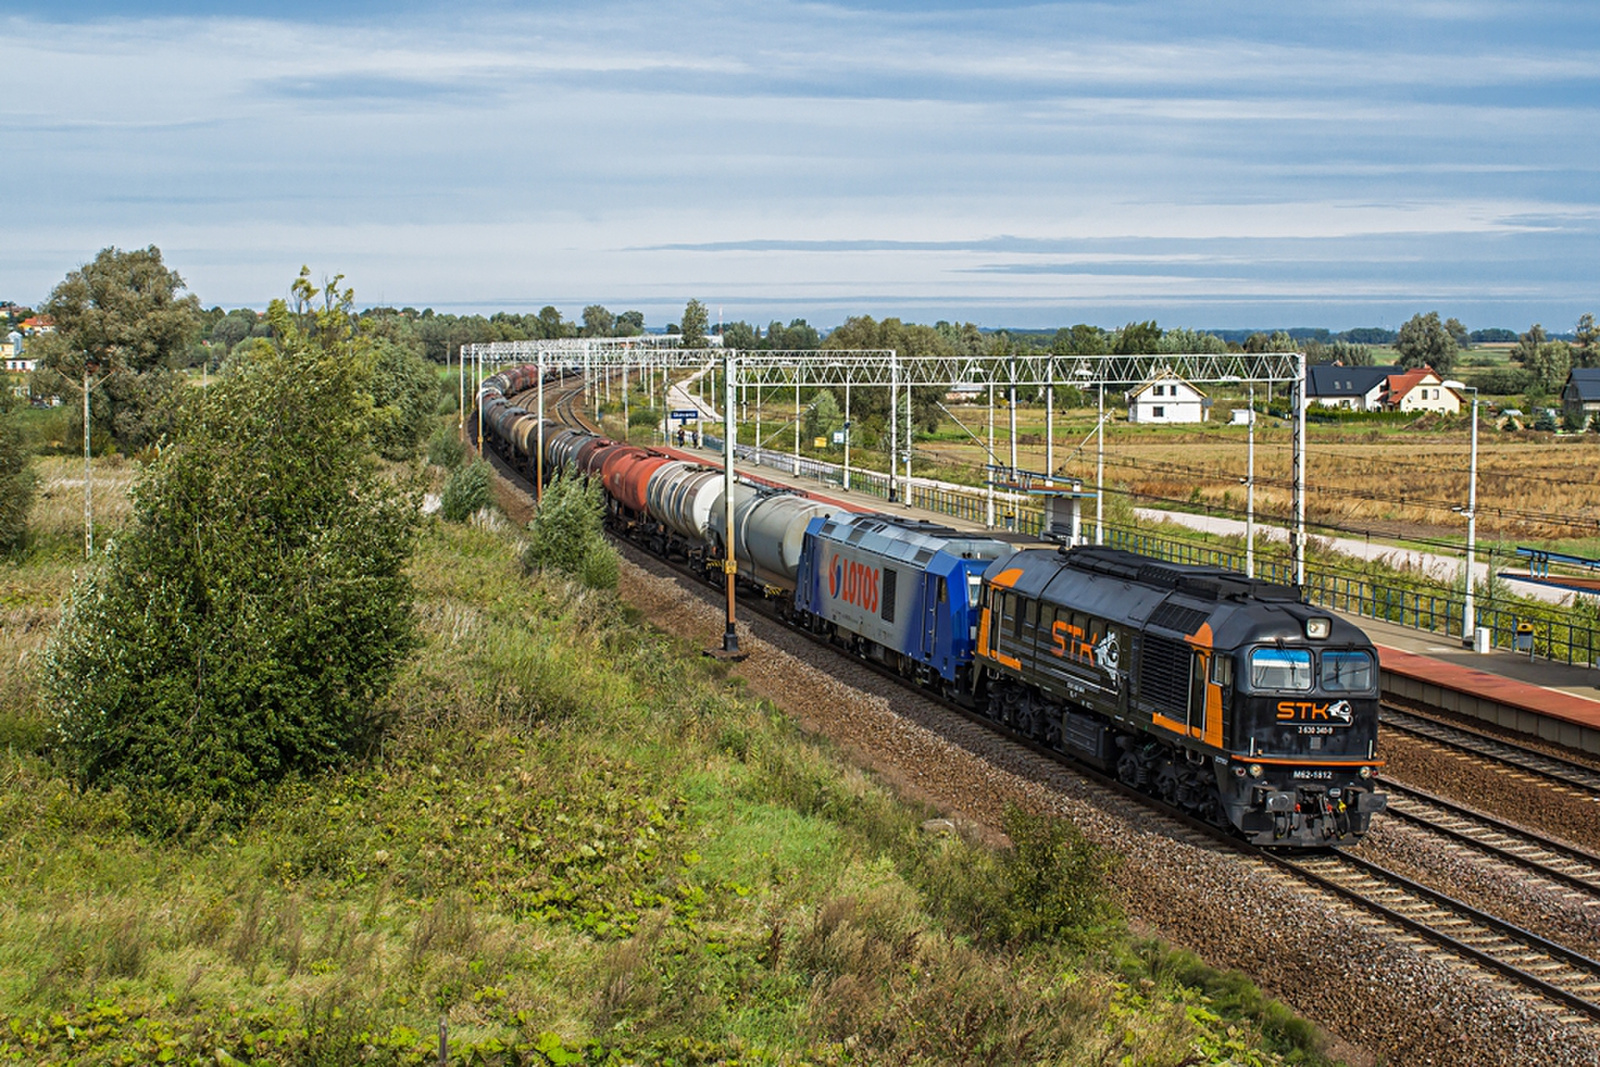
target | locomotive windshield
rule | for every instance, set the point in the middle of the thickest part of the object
(1346, 672)
(1280, 668)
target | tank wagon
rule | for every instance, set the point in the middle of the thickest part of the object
(1225, 696)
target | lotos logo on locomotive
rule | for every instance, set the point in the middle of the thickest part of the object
(853, 583)
(1337, 713)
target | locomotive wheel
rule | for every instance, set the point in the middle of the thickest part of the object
(1131, 770)
(1167, 785)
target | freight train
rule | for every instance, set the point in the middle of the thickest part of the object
(1227, 697)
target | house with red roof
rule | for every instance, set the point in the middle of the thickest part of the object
(1420, 389)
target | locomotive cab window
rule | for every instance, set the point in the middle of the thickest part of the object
(1280, 668)
(1222, 670)
(1346, 672)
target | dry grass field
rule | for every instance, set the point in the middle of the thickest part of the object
(1395, 481)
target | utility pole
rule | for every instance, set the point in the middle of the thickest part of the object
(1100, 472)
(988, 489)
(894, 422)
(88, 486)
(1250, 494)
(1300, 474)
(847, 434)
(730, 561)
(538, 464)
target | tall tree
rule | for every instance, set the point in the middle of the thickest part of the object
(1181, 341)
(1423, 341)
(551, 325)
(126, 319)
(694, 325)
(598, 322)
(1080, 340)
(125, 311)
(1137, 338)
(1454, 328)
(1586, 346)
(1277, 341)
(740, 335)
(630, 324)
(1549, 364)
(1528, 344)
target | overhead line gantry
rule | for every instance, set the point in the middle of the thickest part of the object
(899, 372)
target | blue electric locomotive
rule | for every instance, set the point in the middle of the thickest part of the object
(902, 591)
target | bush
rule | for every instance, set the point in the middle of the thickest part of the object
(445, 448)
(466, 491)
(644, 417)
(1049, 886)
(253, 615)
(566, 534)
(16, 481)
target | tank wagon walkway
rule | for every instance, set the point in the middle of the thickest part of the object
(1550, 700)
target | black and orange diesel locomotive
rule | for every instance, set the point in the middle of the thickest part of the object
(1229, 697)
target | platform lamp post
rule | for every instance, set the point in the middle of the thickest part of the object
(1469, 617)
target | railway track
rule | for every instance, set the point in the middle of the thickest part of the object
(1557, 973)
(1553, 860)
(1567, 980)
(1568, 774)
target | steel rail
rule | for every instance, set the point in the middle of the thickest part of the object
(1465, 739)
(1588, 882)
(1522, 942)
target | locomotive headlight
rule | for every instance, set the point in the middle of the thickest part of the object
(1255, 770)
(1365, 772)
(1317, 629)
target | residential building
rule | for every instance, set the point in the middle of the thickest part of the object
(1167, 398)
(11, 356)
(1333, 385)
(1420, 389)
(1580, 397)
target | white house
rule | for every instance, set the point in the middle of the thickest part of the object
(11, 353)
(1421, 390)
(1167, 398)
(1333, 385)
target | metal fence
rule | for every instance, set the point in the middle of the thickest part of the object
(1554, 638)
(1557, 639)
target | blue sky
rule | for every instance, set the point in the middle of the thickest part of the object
(1210, 164)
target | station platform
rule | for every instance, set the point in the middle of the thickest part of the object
(1553, 701)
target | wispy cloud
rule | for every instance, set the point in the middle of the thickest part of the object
(1003, 163)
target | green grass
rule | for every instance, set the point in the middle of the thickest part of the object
(577, 841)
